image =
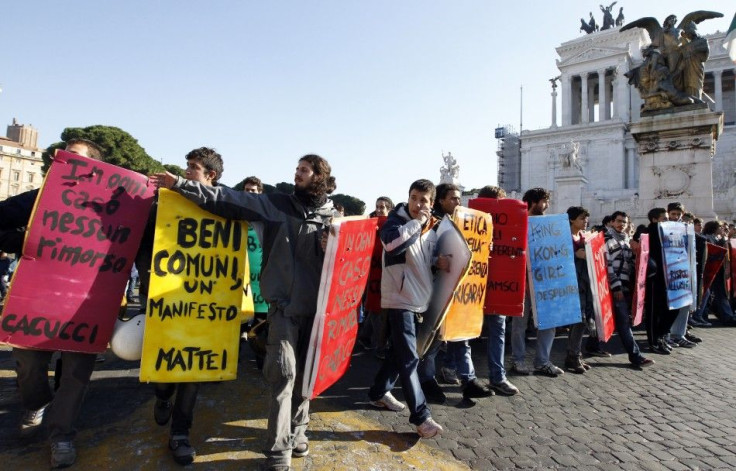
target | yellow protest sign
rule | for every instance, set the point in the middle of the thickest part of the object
(195, 295)
(464, 318)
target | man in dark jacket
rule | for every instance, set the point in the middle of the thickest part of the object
(293, 254)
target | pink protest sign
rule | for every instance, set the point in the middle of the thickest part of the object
(79, 249)
(596, 257)
(637, 302)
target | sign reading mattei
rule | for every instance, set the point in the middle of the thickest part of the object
(676, 264)
(553, 284)
(507, 263)
(78, 253)
(193, 312)
(464, 319)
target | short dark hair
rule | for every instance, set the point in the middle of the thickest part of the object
(535, 195)
(443, 189)
(606, 219)
(675, 207)
(640, 229)
(574, 212)
(95, 151)
(323, 182)
(492, 191)
(209, 159)
(617, 214)
(655, 213)
(711, 227)
(387, 200)
(425, 186)
(254, 181)
(697, 221)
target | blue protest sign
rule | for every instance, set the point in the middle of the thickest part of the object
(676, 264)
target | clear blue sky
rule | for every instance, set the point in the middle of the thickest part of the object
(380, 88)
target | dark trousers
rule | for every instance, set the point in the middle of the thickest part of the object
(183, 412)
(401, 363)
(35, 391)
(622, 321)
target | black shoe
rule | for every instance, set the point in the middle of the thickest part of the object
(642, 363)
(474, 388)
(433, 393)
(598, 352)
(575, 364)
(660, 347)
(693, 338)
(181, 450)
(162, 411)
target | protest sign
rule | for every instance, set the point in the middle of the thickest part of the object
(553, 284)
(640, 280)
(255, 258)
(732, 256)
(507, 263)
(342, 284)
(596, 258)
(194, 300)
(716, 256)
(373, 290)
(464, 318)
(79, 250)
(676, 264)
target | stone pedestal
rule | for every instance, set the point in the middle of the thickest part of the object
(675, 159)
(569, 187)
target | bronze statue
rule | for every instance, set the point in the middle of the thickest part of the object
(607, 16)
(620, 17)
(672, 71)
(589, 27)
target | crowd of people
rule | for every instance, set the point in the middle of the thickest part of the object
(292, 229)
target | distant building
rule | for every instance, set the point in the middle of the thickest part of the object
(591, 158)
(509, 159)
(20, 160)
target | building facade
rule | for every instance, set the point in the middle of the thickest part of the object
(20, 160)
(590, 158)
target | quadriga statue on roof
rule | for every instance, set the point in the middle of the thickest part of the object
(673, 67)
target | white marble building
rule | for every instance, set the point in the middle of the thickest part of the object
(590, 158)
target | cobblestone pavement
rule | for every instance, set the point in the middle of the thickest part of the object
(676, 415)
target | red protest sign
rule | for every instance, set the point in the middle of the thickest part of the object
(715, 257)
(732, 255)
(507, 263)
(344, 278)
(596, 256)
(637, 302)
(373, 290)
(79, 250)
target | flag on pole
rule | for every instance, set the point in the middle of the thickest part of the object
(730, 41)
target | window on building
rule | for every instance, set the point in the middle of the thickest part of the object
(16, 176)
(30, 177)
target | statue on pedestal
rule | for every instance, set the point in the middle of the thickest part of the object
(608, 21)
(674, 62)
(449, 172)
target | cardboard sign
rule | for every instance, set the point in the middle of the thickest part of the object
(732, 256)
(596, 257)
(693, 257)
(373, 290)
(464, 318)
(197, 275)
(553, 283)
(507, 263)
(255, 258)
(676, 264)
(716, 256)
(78, 253)
(450, 242)
(343, 281)
(638, 295)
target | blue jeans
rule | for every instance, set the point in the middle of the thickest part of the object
(496, 341)
(427, 368)
(401, 363)
(545, 338)
(622, 321)
(720, 304)
(458, 354)
(679, 327)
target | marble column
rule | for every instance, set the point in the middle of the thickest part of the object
(602, 96)
(554, 103)
(718, 83)
(566, 100)
(584, 111)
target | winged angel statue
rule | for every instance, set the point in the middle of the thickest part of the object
(674, 63)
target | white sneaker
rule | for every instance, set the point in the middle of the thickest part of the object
(429, 428)
(388, 401)
(449, 376)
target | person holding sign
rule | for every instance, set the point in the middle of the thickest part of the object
(293, 256)
(59, 411)
(205, 167)
(659, 317)
(406, 288)
(620, 278)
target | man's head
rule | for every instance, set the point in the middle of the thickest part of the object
(252, 185)
(675, 211)
(313, 176)
(607, 220)
(578, 217)
(204, 165)
(421, 196)
(448, 198)
(711, 228)
(383, 206)
(491, 191)
(688, 218)
(698, 225)
(620, 221)
(537, 201)
(85, 148)
(657, 215)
